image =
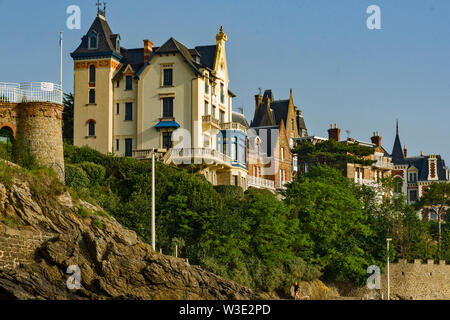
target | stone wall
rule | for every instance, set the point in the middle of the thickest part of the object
(37, 128)
(418, 281)
(18, 247)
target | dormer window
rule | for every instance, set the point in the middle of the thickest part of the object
(118, 44)
(197, 59)
(92, 41)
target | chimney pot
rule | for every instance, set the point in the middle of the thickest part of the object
(148, 49)
(334, 133)
(376, 139)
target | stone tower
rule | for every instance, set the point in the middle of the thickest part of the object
(36, 128)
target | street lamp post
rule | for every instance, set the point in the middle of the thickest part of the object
(153, 200)
(388, 278)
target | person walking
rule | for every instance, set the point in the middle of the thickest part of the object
(296, 288)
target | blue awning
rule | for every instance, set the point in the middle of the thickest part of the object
(167, 124)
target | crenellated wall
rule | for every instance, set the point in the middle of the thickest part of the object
(418, 281)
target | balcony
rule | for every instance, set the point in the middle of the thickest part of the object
(209, 122)
(281, 184)
(260, 183)
(30, 92)
(233, 126)
(366, 182)
(200, 156)
(147, 154)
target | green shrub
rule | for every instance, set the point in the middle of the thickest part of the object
(25, 159)
(76, 177)
(6, 174)
(95, 172)
(83, 212)
(5, 151)
(97, 223)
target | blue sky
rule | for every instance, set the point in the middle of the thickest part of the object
(340, 71)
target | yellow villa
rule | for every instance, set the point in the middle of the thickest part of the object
(171, 100)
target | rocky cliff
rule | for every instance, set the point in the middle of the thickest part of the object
(44, 231)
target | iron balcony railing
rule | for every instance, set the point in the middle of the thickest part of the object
(30, 92)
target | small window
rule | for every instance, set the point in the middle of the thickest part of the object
(213, 111)
(167, 107)
(92, 96)
(92, 43)
(222, 94)
(292, 124)
(168, 77)
(206, 87)
(234, 150)
(206, 108)
(128, 111)
(235, 180)
(117, 144)
(91, 128)
(92, 74)
(118, 83)
(221, 116)
(167, 140)
(118, 108)
(129, 83)
(118, 44)
(282, 153)
(413, 195)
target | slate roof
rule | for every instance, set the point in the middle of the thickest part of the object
(104, 34)
(397, 151)
(301, 123)
(207, 55)
(278, 111)
(421, 163)
(239, 118)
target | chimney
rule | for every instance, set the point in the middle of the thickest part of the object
(405, 152)
(376, 139)
(148, 50)
(334, 133)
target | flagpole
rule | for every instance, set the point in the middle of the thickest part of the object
(60, 63)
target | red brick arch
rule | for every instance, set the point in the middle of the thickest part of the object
(10, 126)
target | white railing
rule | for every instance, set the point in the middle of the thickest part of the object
(281, 184)
(366, 182)
(30, 92)
(233, 126)
(199, 155)
(262, 183)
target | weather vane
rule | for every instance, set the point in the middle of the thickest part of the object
(99, 10)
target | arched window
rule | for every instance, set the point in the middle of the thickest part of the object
(91, 125)
(92, 74)
(398, 184)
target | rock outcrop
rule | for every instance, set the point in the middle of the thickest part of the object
(44, 231)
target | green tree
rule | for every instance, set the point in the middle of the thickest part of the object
(436, 199)
(330, 214)
(68, 114)
(332, 153)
